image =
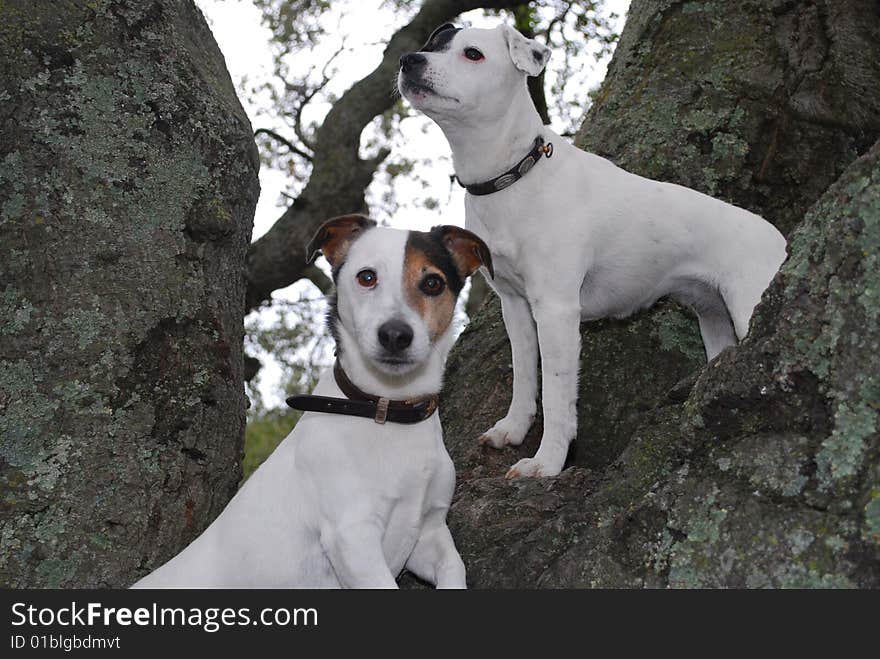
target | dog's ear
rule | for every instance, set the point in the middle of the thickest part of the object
(528, 55)
(438, 38)
(467, 249)
(336, 236)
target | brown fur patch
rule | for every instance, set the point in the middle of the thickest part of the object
(336, 235)
(467, 249)
(437, 311)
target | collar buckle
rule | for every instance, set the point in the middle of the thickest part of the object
(540, 149)
(358, 403)
(381, 410)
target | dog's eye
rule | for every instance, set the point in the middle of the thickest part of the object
(473, 54)
(432, 285)
(367, 278)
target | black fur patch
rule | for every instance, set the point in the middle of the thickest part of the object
(334, 272)
(332, 319)
(439, 40)
(539, 56)
(431, 245)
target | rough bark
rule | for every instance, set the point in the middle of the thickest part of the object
(760, 103)
(127, 190)
(339, 176)
(479, 292)
(764, 105)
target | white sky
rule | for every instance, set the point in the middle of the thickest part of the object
(366, 25)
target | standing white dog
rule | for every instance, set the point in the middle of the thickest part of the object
(574, 237)
(346, 500)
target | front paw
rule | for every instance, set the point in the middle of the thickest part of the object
(507, 432)
(536, 467)
(454, 584)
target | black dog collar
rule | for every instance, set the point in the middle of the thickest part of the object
(513, 174)
(359, 403)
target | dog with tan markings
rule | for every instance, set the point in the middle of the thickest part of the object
(360, 488)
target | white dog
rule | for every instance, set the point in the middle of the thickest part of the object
(573, 237)
(346, 500)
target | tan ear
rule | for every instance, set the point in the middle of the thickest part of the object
(468, 250)
(336, 236)
(528, 55)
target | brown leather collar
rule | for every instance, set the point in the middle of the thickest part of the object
(359, 403)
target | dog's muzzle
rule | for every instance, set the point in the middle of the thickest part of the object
(411, 63)
(411, 67)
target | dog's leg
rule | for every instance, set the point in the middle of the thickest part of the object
(743, 292)
(355, 552)
(520, 328)
(436, 560)
(741, 304)
(716, 330)
(710, 305)
(559, 340)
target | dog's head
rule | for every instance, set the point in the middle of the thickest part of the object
(396, 290)
(469, 74)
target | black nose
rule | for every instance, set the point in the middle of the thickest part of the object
(412, 61)
(395, 335)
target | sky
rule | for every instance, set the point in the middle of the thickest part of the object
(365, 25)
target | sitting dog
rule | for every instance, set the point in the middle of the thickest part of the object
(360, 488)
(573, 237)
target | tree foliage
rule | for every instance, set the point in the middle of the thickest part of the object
(579, 33)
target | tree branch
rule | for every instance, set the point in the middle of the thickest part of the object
(339, 176)
(556, 20)
(318, 278)
(278, 138)
(524, 21)
(306, 95)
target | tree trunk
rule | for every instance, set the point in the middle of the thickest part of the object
(127, 190)
(764, 105)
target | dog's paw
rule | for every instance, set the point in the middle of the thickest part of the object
(532, 468)
(507, 432)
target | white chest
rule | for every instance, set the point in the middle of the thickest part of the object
(501, 231)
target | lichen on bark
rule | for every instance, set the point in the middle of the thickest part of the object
(127, 190)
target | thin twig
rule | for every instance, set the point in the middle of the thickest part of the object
(306, 95)
(278, 138)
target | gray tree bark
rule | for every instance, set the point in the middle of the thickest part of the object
(760, 103)
(761, 474)
(127, 189)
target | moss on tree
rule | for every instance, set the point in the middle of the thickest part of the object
(127, 189)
